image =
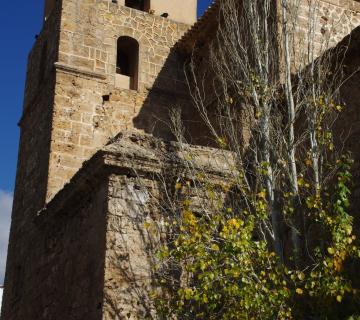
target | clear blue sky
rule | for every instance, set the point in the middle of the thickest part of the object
(19, 22)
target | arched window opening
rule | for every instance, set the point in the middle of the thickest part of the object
(143, 5)
(127, 63)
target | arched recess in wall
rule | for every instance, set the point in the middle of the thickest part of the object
(143, 5)
(127, 63)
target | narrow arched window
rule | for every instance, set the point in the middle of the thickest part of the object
(143, 5)
(127, 62)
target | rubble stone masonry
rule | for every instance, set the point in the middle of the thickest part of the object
(88, 108)
(333, 20)
(74, 101)
(90, 255)
(79, 250)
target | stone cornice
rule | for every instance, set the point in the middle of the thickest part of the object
(79, 71)
(137, 155)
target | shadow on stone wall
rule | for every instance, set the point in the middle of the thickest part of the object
(169, 92)
(347, 126)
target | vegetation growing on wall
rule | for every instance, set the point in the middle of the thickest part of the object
(276, 240)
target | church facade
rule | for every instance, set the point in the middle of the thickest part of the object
(102, 77)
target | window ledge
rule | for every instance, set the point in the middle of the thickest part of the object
(123, 82)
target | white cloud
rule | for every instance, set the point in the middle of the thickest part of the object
(6, 200)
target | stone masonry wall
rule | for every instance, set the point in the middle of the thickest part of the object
(56, 269)
(129, 260)
(35, 124)
(33, 161)
(333, 20)
(89, 109)
(89, 254)
(136, 208)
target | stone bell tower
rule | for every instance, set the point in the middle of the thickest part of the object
(95, 66)
(89, 74)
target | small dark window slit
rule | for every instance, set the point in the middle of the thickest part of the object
(142, 5)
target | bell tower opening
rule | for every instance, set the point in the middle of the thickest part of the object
(127, 63)
(142, 5)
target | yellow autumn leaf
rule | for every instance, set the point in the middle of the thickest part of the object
(299, 291)
(338, 108)
(229, 100)
(221, 142)
(300, 181)
(301, 276)
(186, 203)
(178, 186)
(188, 293)
(348, 230)
(189, 217)
(234, 223)
(262, 194)
(257, 115)
(338, 264)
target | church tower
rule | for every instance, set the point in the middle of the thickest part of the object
(89, 75)
(78, 246)
(98, 67)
